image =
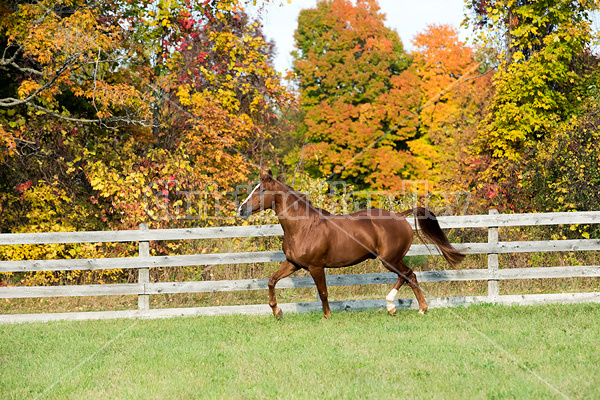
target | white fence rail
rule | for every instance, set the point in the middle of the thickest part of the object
(144, 288)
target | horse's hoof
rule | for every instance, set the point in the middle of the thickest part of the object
(325, 316)
(392, 310)
(422, 312)
(278, 313)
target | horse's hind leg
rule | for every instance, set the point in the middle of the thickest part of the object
(392, 295)
(412, 282)
(286, 269)
(405, 275)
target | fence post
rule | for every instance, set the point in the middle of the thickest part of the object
(144, 273)
(493, 284)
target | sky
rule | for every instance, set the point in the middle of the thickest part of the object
(407, 17)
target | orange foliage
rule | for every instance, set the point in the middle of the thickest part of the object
(450, 81)
(358, 95)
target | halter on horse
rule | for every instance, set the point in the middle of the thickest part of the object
(314, 239)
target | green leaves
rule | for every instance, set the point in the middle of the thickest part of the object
(540, 77)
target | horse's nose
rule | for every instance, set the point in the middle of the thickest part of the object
(243, 211)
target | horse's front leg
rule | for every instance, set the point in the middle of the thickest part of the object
(286, 269)
(318, 275)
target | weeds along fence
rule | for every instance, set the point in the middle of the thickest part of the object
(493, 273)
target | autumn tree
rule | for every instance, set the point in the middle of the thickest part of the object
(546, 77)
(455, 82)
(563, 172)
(55, 48)
(357, 94)
(545, 72)
(231, 92)
(197, 74)
(176, 103)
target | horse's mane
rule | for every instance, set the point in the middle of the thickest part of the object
(300, 195)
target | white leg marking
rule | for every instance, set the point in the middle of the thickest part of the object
(390, 300)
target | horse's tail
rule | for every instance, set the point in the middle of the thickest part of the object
(430, 226)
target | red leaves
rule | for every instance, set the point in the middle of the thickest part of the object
(22, 187)
(187, 23)
(491, 192)
(201, 57)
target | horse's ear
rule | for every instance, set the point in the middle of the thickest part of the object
(266, 176)
(281, 178)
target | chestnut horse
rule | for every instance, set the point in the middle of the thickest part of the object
(314, 239)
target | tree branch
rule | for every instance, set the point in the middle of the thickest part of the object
(11, 101)
(57, 115)
(104, 122)
(12, 62)
(22, 69)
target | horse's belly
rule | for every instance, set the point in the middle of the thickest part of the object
(350, 250)
(346, 260)
(303, 254)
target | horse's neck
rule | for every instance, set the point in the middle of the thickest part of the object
(294, 211)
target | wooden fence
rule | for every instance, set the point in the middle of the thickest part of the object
(144, 288)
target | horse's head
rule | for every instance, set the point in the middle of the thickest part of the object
(261, 198)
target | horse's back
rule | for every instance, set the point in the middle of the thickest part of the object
(369, 232)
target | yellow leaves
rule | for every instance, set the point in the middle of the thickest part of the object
(366, 112)
(183, 94)
(518, 56)
(27, 88)
(108, 96)
(120, 166)
(68, 50)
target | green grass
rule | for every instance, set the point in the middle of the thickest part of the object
(354, 355)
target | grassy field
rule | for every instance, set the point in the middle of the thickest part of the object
(477, 352)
